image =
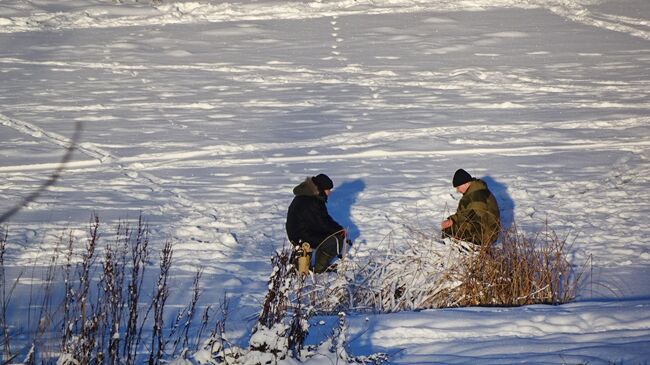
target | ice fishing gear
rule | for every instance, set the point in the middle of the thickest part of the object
(304, 258)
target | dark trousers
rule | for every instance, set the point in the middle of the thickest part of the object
(326, 252)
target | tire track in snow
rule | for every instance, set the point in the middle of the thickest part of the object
(100, 158)
(55, 138)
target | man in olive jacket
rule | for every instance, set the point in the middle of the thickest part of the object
(308, 221)
(477, 218)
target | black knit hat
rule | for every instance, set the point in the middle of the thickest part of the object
(460, 177)
(323, 182)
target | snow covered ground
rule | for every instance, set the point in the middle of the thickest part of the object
(204, 115)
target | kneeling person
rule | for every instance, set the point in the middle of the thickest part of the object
(477, 218)
(309, 221)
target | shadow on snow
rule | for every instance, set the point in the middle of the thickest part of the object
(506, 204)
(340, 204)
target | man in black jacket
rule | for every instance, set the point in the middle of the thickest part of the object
(308, 221)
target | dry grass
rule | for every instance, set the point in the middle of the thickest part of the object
(91, 308)
(518, 271)
(425, 272)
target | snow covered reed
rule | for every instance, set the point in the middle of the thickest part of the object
(281, 329)
(99, 315)
(418, 273)
(424, 271)
(4, 301)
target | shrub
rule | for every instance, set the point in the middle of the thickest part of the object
(427, 272)
(99, 317)
(518, 271)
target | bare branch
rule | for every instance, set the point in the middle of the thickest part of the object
(51, 180)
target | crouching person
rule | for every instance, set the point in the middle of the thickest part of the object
(477, 218)
(308, 221)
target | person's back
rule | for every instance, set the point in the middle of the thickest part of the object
(307, 217)
(480, 201)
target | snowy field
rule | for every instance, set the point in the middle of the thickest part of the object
(204, 115)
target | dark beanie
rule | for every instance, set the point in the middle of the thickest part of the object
(323, 182)
(460, 177)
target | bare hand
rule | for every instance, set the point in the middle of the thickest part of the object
(447, 223)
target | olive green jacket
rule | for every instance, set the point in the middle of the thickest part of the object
(477, 218)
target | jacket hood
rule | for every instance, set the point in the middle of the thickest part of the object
(306, 188)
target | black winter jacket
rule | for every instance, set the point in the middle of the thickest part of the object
(307, 218)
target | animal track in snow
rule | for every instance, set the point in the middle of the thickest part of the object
(335, 55)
